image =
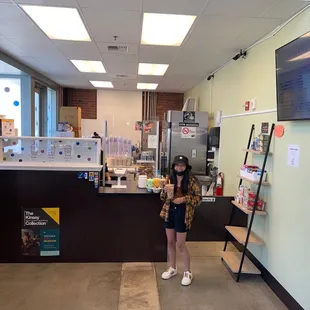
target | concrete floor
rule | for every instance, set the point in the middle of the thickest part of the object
(132, 286)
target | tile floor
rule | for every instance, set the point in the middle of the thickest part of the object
(132, 286)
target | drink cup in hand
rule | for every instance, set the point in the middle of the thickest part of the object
(169, 188)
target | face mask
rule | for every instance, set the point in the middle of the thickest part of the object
(179, 173)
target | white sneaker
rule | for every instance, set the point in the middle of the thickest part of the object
(169, 273)
(187, 278)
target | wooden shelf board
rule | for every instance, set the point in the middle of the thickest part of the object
(240, 233)
(254, 182)
(246, 211)
(233, 259)
(256, 152)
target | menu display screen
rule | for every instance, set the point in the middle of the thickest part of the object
(293, 80)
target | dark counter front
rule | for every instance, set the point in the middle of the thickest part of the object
(94, 227)
(211, 217)
(109, 225)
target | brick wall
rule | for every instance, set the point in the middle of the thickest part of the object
(86, 99)
(167, 102)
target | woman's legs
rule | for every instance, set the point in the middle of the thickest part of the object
(181, 244)
(171, 243)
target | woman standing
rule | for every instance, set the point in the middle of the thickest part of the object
(178, 214)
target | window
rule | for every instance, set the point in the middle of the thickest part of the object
(10, 100)
(51, 112)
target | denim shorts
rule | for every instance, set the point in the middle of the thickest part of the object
(176, 219)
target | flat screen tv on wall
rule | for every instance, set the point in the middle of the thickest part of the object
(293, 80)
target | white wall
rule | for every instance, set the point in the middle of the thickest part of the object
(286, 228)
(121, 109)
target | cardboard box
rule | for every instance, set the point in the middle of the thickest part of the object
(72, 115)
(7, 127)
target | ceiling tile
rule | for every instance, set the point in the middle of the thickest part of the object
(286, 9)
(169, 84)
(119, 5)
(66, 3)
(35, 46)
(125, 85)
(205, 40)
(116, 58)
(34, 63)
(240, 8)
(120, 64)
(104, 25)
(59, 66)
(158, 54)
(96, 76)
(217, 35)
(200, 65)
(10, 48)
(78, 50)
(149, 79)
(259, 29)
(186, 7)
(9, 27)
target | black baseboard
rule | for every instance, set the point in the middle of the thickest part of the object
(271, 281)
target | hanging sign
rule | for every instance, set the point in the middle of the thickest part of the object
(188, 132)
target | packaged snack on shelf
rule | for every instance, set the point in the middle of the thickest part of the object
(260, 206)
(245, 202)
(263, 143)
(252, 196)
(250, 205)
(237, 199)
(252, 173)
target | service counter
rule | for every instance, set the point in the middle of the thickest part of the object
(97, 224)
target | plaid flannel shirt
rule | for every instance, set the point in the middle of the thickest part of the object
(193, 200)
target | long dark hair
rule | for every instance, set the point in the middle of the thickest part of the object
(184, 182)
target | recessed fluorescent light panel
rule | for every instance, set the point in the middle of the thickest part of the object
(152, 69)
(301, 57)
(58, 23)
(89, 66)
(165, 29)
(101, 84)
(149, 86)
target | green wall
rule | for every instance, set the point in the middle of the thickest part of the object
(286, 229)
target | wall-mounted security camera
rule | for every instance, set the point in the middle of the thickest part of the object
(241, 54)
(210, 77)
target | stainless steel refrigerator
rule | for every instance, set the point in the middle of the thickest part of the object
(185, 133)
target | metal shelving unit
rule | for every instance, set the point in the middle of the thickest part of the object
(237, 262)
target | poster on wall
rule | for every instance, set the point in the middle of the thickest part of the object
(40, 232)
(265, 128)
(138, 126)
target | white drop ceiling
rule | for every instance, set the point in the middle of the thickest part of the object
(221, 29)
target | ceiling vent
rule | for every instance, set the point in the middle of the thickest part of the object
(118, 48)
(122, 76)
